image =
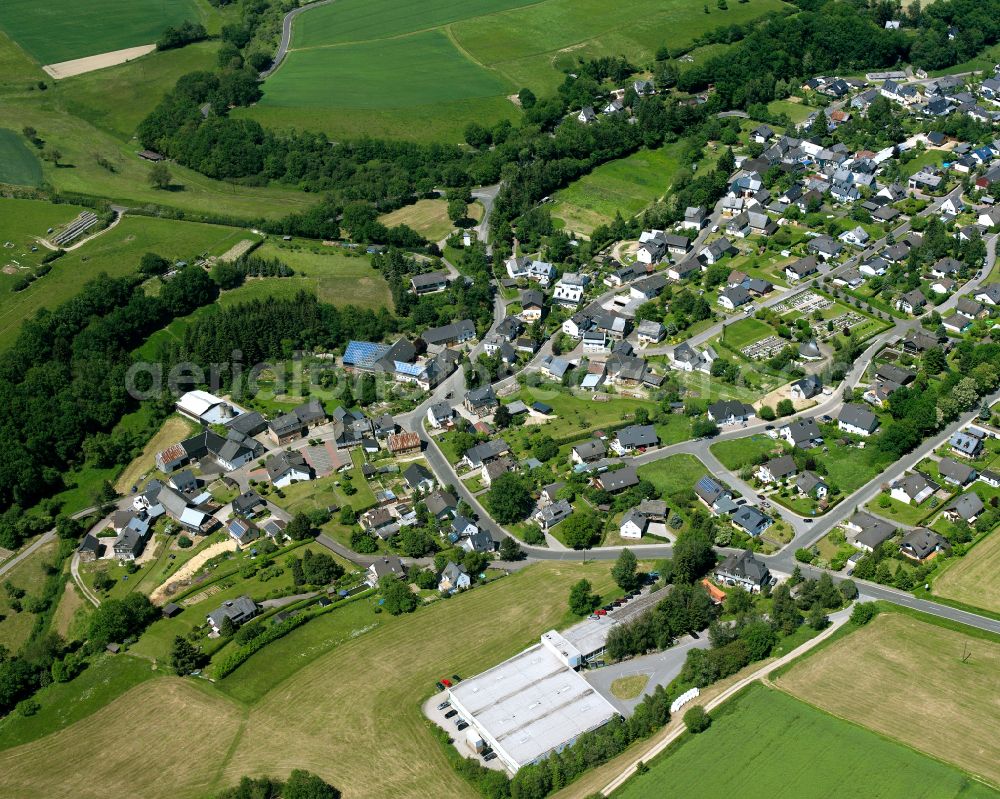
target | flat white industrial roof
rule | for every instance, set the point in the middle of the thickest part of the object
(197, 402)
(530, 705)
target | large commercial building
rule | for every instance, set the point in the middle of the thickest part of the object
(533, 704)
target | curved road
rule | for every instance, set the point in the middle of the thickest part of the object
(286, 36)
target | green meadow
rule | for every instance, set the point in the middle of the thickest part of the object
(61, 30)
(18, 164)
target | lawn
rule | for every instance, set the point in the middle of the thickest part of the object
(797, 112)
(335, 276)
(928, 698)
(331, 699)
(746, 331)
(849, 468)
(775, 745)
(61, 30)
(18, 163)
(29, 575)
(900, 512)
(116, 252)
(428, 217)
(673, 474)
(973, 579)
(627, 185)
(739, 452)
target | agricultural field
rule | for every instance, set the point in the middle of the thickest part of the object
(775, 745)
(116, 251)
(175, 428)
(628, 185)
(18, 164)
(948, 706)
(321, 671)
(431, 68)
(973, 579)
(62, 30)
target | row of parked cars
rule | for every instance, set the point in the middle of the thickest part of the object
(650, 578)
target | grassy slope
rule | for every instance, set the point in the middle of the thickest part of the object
(627, 185)
(116, 252)
(61, 30)
(928, 698)
(332, 700)
(673, 474)
(775, 745)
(428, 217)
(29, 575)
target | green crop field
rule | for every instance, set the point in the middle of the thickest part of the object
(18, 164)
(628, 185)
(774, 745)
(61, 30)
(116, 252)
(426, 70)
(329, 697)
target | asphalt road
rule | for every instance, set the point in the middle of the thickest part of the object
(286, 36)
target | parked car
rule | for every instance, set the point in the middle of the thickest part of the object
(440, 686)
(456, 678)
(443, 705)
(601, 612)
(490, 756)
(593, 616)
(451, 714)
(446, 682)
(462, 726)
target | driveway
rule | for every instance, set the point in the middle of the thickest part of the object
(662, 668)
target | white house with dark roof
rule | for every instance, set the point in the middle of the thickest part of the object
(857, 419)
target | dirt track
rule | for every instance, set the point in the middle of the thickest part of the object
(80, 66)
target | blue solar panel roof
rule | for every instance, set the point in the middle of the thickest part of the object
(364, 353)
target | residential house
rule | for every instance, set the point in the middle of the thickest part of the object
(285, 468)
(857, 419)
(694, 218)
(801, 269)
(824, 247)
(710, 491)
(618, 480)
(812, 485)
(588, 451)
(453, 578)
(912, 302)
(532, 305)
(716, 251)
(429, 283)
(480, 541)
(454, 333)
(419, 478)
(956, 473)
(806, 388)
(634, 437)
(89, 549)
(238, 611)
(684, 269)
(633, 524)
(802, 433)
(403, 443)
(988, 295)
(390, 565)
(777, 470)
(966, 445)
(480, 401)
(730, 412)
(868, 531)
(441, 504)
(440, 414)
(243, 531)
(750, 520)
(650, 332)
(733, 298)
(553, 513)
(912, 489)
(745, 570)
(967, 508)
(686, 359)
(568, 291)
(477, 455)
(922, 544)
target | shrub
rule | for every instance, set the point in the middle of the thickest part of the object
(184, 542)
(803, 555)
(864, 612)
(697, 720)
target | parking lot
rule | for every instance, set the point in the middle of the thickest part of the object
(459, 738)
